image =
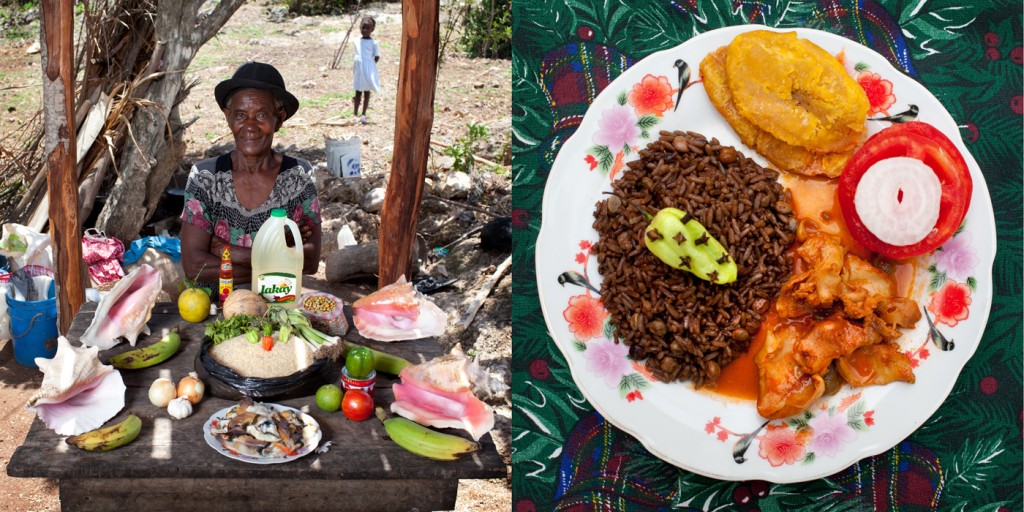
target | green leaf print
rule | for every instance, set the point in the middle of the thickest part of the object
(930, 22)
(972, 466)
(604, 157)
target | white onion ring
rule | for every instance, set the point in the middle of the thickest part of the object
(897, 200)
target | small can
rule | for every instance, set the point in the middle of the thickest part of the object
(366, 384)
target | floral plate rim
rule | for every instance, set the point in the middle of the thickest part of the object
(857, 413)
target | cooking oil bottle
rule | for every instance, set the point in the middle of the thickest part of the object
(277, 268)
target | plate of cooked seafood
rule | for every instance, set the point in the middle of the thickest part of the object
(261, 433)
(766, 254)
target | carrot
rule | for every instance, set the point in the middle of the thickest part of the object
(285, 449)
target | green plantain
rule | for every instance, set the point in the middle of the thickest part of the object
(109, 438)
(382, 361)
(144, 357)
(425, 442)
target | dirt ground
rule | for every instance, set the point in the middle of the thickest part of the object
(468, 90)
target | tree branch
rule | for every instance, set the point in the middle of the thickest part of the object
(212, 22)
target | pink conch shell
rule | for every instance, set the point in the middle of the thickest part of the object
(124, 311)
(439, 393)
(398, 312)
(78, 393)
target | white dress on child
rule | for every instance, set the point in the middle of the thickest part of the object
(364, 68)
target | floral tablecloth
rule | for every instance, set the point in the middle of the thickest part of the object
(968, 456)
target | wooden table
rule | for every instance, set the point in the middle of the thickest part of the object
(170, 467)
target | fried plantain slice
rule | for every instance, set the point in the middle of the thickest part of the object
(785, 157)
(796, 91)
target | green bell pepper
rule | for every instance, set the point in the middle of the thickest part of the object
(359, 362)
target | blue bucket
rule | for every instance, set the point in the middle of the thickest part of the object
(33, 328)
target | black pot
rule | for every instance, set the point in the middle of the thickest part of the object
(223, 382)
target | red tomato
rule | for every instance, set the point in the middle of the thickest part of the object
(925, 143)
(357, 405)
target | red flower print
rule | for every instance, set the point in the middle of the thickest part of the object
(781, 445)
(222, 231)
(949, 304)
(653, 95)
(723, 435)
(539, 369)
(581, 258)
(923, 353)
(585, 245)
(869, 418)
(709, 428)
(591, 161)
(520, 218)
(879, 92)
(586, 316)
(634, 395)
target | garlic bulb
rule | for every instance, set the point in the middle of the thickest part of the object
(161, 392)
(179, 408)
(191, 387)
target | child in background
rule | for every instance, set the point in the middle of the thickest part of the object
(364, 78)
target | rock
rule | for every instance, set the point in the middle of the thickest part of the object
(442, 162)
(344, 190)
(497, 147)
(33, 49)
(308, 84)
(276, 13)
(456, 185)
(373, 200)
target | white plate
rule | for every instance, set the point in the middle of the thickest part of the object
(216, 444)
(704, 432)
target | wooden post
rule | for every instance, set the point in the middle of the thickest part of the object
(59, 148)
(417, 76)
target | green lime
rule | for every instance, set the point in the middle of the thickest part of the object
(328, 398)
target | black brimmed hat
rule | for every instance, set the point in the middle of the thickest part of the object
(257, 75)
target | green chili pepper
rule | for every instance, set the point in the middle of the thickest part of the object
(359, 362)
(677, 239)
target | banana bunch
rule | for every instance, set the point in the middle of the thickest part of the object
(425, 442)
(144, 357)
(106, 439)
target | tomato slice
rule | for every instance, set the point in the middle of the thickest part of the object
(923, 142)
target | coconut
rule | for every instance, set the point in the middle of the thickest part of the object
(246, 302)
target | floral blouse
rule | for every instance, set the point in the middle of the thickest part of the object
(212, 205)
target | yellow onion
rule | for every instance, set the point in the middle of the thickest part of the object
(191, 388)
(161, 392)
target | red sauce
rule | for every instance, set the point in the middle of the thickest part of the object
(814, 200)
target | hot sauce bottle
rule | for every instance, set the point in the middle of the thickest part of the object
(226, 280)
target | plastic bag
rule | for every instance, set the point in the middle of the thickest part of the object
(166, 244)
(223, 382)
(5, 316)
(25, 246)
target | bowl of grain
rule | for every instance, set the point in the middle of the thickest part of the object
(235, 368)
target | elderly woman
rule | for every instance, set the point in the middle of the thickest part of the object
(228, 198)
